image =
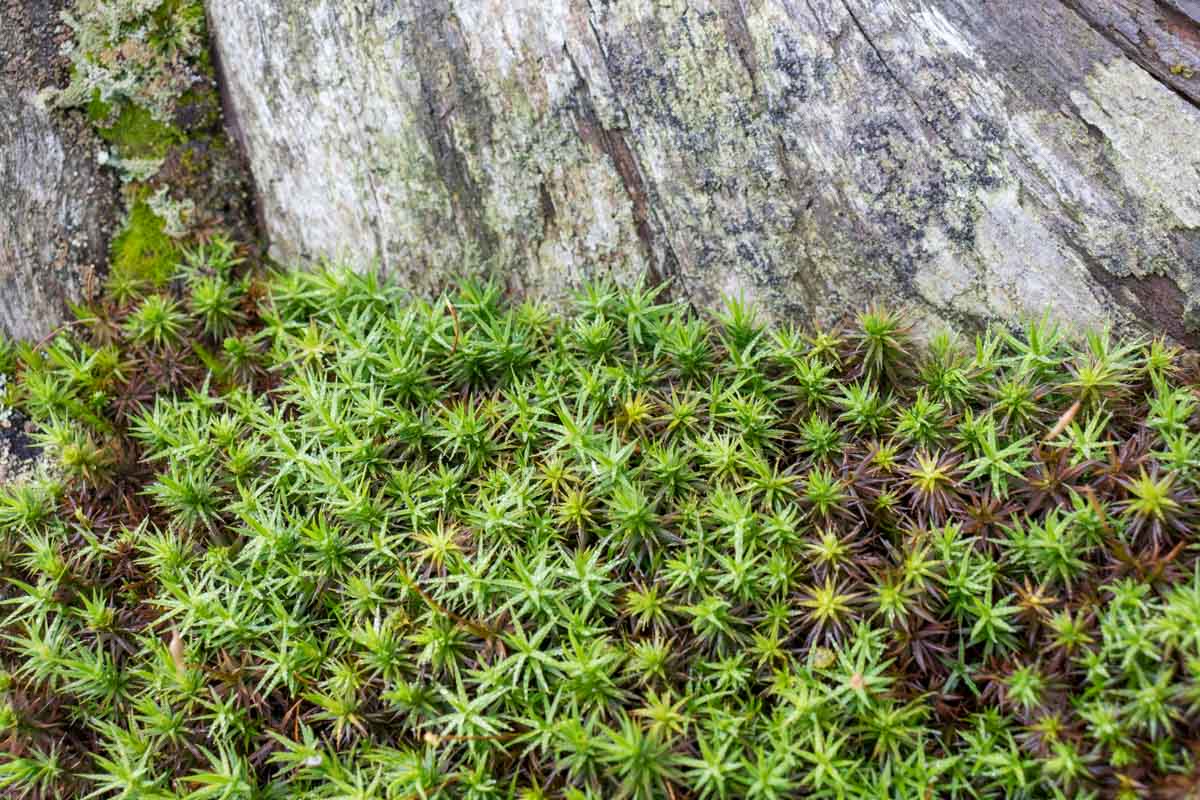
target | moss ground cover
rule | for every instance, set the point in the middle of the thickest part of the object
(311, 537)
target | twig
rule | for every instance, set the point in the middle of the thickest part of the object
(479, 630)
(1064, 420)
(52, 335)
(176, 649)
(436, 739)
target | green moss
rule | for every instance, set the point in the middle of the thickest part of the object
(612, 553)
(98, 111)
(143, 252)
(8, 358)
(134, 132)
(175, 19)
(173, 12)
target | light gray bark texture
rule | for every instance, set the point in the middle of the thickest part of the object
(56, 204)
(970, 160)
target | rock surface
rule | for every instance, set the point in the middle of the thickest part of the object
(58, 204)
(971, 161)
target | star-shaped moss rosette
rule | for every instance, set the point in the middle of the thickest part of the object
(311, 537)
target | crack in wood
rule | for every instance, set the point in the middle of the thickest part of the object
(926, 119)
(1183, 28)
(614, 144)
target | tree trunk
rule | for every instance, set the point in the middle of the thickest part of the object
(58, 205)
(970, 160)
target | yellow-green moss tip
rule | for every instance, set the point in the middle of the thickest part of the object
(143, 252)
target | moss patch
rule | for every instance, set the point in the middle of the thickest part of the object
(143, 252)
(135, 132)
(466, 549)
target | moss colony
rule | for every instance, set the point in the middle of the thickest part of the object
(318, 539)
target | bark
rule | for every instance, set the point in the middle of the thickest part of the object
(57, 205)
(972, 161)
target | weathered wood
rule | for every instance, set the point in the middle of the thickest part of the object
(971, 160)
(1162, 36)
(56, 203)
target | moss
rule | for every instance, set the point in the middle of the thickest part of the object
(99, 112)
(143, 252)
(199, 109)
(174, 17)
(134, 131)
(8, 358)
(174, 12)
(618, 539)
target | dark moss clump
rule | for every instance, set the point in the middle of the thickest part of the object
(336, 542)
